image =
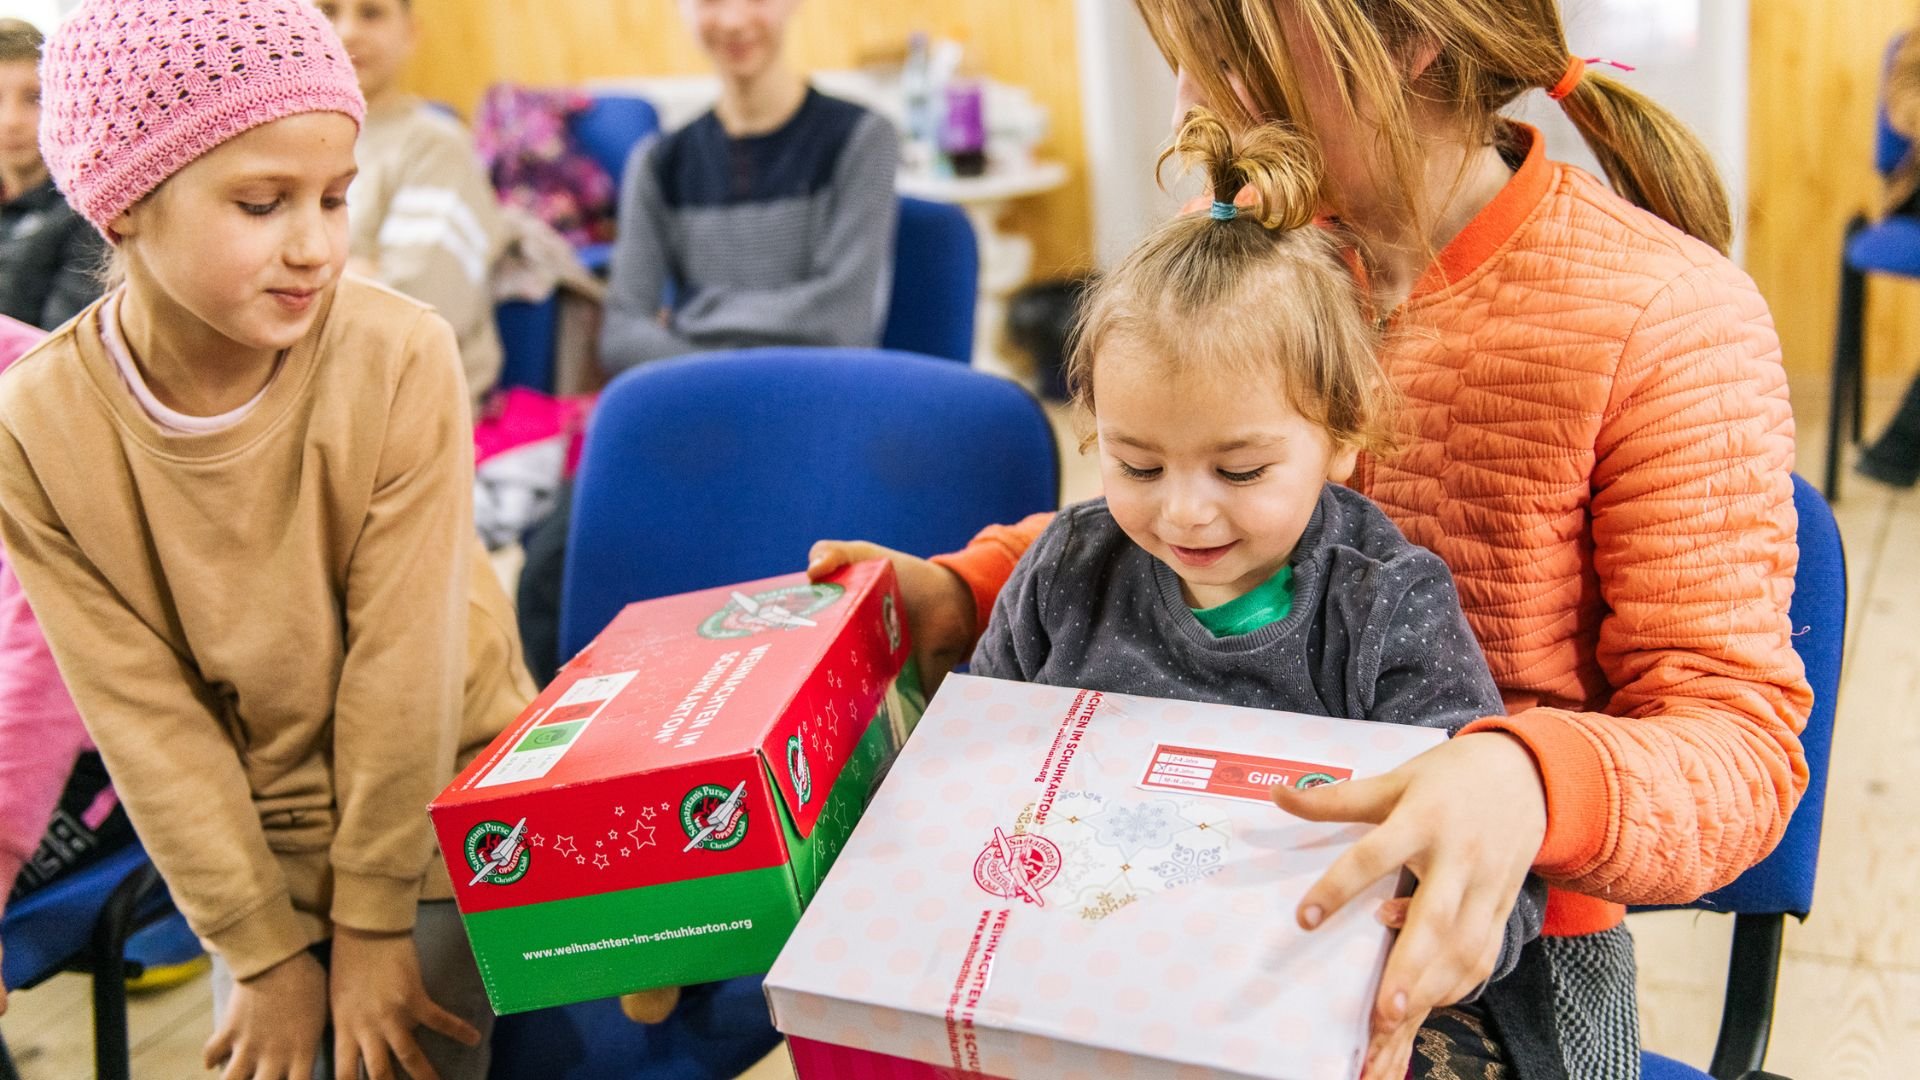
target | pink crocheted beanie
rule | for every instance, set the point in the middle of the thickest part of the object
(132, 91)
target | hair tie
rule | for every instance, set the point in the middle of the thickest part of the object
(1576, 71)
(1224, 211)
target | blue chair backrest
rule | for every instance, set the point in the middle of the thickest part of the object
(1889, 146)
(716, 469)
(611, 127)
(1783, 881)
(936, 282)
(529, 341)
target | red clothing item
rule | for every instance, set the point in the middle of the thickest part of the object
(1599, 444)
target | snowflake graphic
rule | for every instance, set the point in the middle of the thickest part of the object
(1133, 828)
(1077, 861)
(600, 862)
(564, 847)
(1188, 865)
(642, 835)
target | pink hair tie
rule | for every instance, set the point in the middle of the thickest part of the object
(1577, 70)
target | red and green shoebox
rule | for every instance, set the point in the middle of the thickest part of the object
(663, 812)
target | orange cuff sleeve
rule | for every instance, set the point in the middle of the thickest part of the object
(987, 562)
(1580, 801)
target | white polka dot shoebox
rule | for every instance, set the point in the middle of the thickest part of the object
(1058, 883)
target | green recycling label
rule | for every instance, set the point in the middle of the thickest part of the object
(777, 609)
(714, 818)
(496, 853)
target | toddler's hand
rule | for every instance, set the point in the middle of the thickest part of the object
(273, 1024)
(1468, 818)
(940, 613)
(650, 1006)
(378, 1001)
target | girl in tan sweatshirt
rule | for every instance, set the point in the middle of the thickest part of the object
(236, 491)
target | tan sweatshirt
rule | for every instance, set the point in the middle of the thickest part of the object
(424, 215)
(282, 636)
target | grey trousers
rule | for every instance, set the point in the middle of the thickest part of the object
(452, 980)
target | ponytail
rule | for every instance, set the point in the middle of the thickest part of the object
(1278, 166)
(1651, 158)
(1260, 293)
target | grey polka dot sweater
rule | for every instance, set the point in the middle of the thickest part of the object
(1375, 633)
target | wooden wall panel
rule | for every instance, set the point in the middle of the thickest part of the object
(1812, 92)
(468, 44)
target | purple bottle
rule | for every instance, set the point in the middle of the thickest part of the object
(963, 138)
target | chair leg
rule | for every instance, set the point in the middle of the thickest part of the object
(1753, 974)
(7, 1071)
(1844, 408)
(112, 1058)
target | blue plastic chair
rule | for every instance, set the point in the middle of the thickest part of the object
(936, 282)
(1889, 247)
(1782, 883)
(608, 130)
(715, 469)
(84, 922)
(529, 342)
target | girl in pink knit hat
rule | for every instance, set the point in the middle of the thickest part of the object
(236, 491)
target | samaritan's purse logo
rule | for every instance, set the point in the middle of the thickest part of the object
(777, 609)
(890, 618)
(1017, 866)
(497, 854)
(798, 771)
(714, 818)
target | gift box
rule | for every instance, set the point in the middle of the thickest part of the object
(1056, 882)
(663, 812)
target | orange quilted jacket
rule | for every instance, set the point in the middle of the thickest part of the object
(1599, 444)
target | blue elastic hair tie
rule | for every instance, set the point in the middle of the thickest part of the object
(1224, 211)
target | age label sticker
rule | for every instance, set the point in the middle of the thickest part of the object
(543, 745)
(1228, 775)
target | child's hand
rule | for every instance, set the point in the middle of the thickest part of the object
(1468, 818)
(273, 1024)
(650, 1006)
(378, 1001)
(940, 613)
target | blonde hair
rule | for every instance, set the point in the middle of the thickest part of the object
(1266, 293)
(1488, 53)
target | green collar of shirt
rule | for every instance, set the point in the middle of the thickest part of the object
(1265, 604)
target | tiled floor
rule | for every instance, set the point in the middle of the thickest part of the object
(1849, 1004)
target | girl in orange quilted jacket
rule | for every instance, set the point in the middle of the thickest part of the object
(1598, 442)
